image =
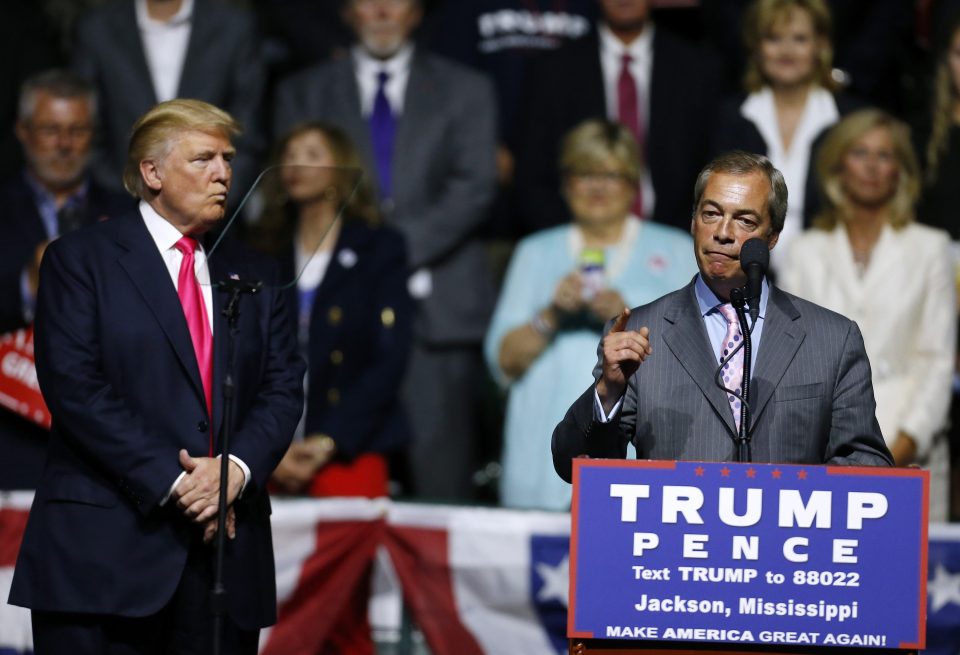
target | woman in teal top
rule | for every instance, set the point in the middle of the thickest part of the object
(562, 285)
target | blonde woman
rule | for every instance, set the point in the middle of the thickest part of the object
(867, 258)
(791, 98)
(562, 284)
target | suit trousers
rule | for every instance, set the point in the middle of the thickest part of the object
(183, 627)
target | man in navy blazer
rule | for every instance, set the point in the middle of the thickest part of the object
(115, 550)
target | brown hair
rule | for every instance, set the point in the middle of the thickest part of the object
(945, 95)
(153, 135)
(835, 147)
(763, 15)
(595, 143)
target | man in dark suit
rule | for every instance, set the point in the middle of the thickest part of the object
(425, 129)
(139, 53)
(51, 196)
(628, 71)
(130, 341)
(811, 397)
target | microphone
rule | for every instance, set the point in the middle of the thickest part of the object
(754, 260)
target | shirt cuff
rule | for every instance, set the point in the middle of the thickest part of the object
(172, 487)
(246, 472)
(599, 415)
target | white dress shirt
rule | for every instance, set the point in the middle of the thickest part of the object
(640, 50)
(165, 47)
(367, 69)
(165, 236)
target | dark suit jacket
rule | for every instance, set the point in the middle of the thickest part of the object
(444, 176)
(735, 131)
(22, 442)
(117, 368)
(222, 67)
(567, 88)
(361, 326)
(810, 391)
(23, 230)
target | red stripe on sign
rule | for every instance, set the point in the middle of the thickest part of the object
(419, 556)
(331, 578)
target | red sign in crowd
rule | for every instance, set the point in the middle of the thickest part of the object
(19, 390)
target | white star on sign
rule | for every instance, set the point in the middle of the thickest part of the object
(943, 589)
(556, 581)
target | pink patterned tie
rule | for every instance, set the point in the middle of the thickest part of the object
(732, 370)
(628, 111)
(195, 311)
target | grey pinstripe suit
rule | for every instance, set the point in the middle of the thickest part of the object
(811, 393)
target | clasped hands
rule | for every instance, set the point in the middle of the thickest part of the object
(301, 461)
(198, 493)
(623, 351)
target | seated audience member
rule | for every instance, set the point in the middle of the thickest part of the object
(867, 259)
(425, 129)
(631, 71)
(562, 285)
(791, 98)
(51, 196)
(353, 314)
(141, 52)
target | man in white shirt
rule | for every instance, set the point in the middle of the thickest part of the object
(131, 344)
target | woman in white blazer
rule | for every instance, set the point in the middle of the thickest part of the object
(867, 259)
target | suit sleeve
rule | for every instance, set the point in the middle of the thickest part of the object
(855, 436)
(269, 407)
(88, 410)
(580, 433)
(462, 201)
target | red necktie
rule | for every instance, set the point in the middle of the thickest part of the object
(195, 311)
(628, 110)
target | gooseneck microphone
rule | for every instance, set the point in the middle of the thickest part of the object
(754, 260)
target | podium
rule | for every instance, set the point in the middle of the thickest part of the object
(712, 557)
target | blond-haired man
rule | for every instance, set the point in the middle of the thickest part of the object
(130, 342)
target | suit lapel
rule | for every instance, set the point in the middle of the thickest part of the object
(419, 105)
(782, 336)
(687, 339)
(127, 34)
(145, 267)
(345, 111)
(202, 33)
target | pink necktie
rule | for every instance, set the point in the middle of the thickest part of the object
(628, 110)
(732, 370)
(195, 311)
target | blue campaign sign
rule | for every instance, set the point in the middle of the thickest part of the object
(748, 553)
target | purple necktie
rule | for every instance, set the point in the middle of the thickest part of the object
(732, 370)
(383, 127)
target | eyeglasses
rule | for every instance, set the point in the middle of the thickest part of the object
(51, 132)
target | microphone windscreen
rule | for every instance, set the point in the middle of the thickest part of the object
(755, 251)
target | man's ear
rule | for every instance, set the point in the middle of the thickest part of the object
(150, 173)
(20, 130)
(772, 239)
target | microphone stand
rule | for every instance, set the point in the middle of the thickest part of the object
(743, 438)
(218, 594)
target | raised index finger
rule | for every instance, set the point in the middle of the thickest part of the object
(621, 323)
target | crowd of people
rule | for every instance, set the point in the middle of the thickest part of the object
(418, 152)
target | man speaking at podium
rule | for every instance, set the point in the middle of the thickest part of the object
(131, 350)
(811, 398)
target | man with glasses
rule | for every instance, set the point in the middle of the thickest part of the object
(51, 196)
